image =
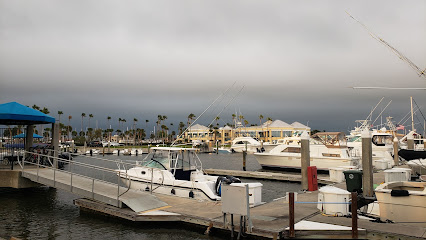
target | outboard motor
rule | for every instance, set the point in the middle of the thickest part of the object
(225, 180)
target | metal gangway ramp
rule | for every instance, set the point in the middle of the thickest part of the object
(40, 168)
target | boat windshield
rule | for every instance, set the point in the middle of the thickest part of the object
(382, 140)
(355, 139)
(159, 163)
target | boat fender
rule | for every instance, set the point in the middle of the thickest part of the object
(225, 180)
(218, 185)
(173, 192)
(191, 194)
(258, 150)
(399, 193)
(147, 189)
(232, 150)
(232, 179)
(262, 149)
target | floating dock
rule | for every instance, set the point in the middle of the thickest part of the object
(297, 177)
(270, 220)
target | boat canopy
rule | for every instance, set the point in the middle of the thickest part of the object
(331, 139)
(172, 158)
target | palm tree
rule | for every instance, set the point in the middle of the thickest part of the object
(190, 117)
(233, 119)
(69, 125)
(60, 113)
(45, 111)
(260, 119)
(36, 107)
(109, 120)
(134, 130)
(90, 117)
(83, 115)
(181, 126)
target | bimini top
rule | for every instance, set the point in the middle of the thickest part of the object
(13, 113)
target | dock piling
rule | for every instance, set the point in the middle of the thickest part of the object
(244, 160)
(291, 214)
(367, 163)
(305, 158)
(395, 151)
(354, 209)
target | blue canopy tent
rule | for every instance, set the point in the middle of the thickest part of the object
(13, 113)
(23, 135)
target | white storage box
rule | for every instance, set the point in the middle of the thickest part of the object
(380, 164)
(336, 174)
(255, 192)
(407, 171)
(333, 201)
(396, 175)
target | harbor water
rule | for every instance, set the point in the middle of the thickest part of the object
(47, 213)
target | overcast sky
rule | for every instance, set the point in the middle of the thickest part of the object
(295, 60)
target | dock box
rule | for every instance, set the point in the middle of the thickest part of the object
(255, 192)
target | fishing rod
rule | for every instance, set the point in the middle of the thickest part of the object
(203, 113)
(227, 105)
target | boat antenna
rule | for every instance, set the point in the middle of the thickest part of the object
(380, 114)
(365, 123)
(173, 143)
(420, 72)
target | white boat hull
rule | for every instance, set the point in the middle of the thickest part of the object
(411, 208)
(294, 161)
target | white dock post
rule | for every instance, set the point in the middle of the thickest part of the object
(367, 163)
(410, 142)
(395, 151)
(305, 159)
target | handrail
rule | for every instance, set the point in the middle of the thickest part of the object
(108, 170)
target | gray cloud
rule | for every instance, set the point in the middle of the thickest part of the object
(144, 58)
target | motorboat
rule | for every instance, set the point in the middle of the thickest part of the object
(92, 152)
(249, 144)
(327, 150)
(175, 171)
(418, 166)
(382, 145)
(403, 202)
(419, 141)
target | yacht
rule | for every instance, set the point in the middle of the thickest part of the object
(175, 171)
(249, 144)
(327, 149)
(382, 145)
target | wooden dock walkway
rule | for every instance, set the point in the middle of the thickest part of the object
(94, 189)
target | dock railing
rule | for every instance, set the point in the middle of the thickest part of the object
(100, 170)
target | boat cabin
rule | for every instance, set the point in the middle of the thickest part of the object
(179, 161)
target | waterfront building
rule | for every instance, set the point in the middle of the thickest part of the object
(269, 131)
